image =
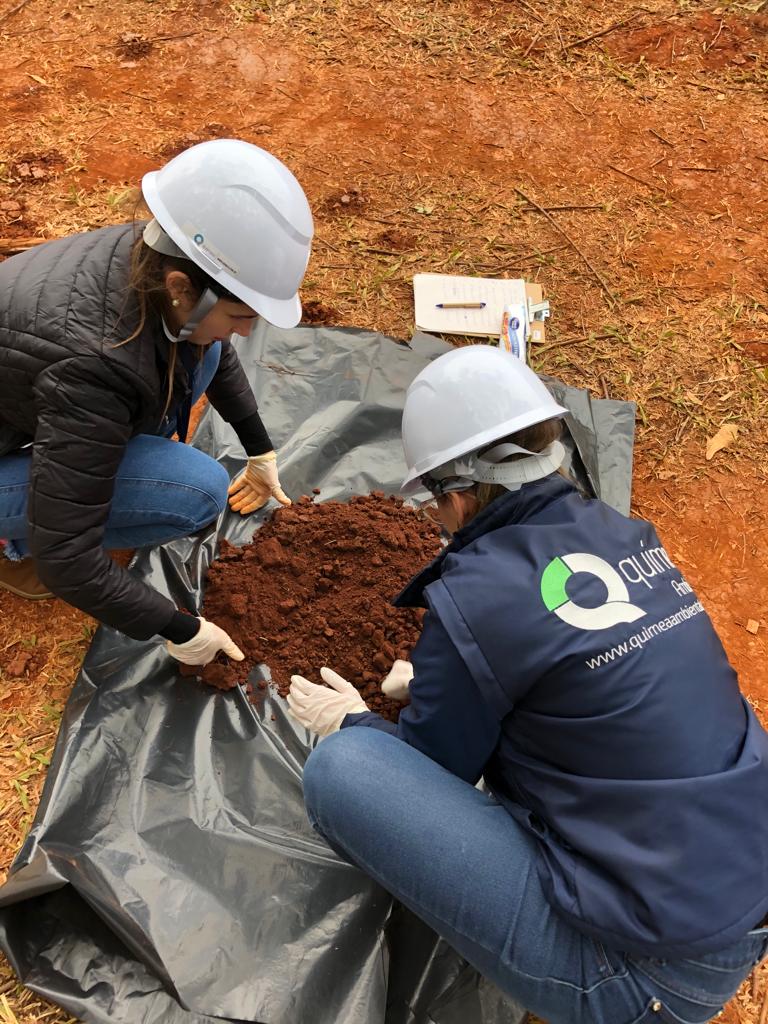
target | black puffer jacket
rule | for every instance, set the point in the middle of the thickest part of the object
(65, 385)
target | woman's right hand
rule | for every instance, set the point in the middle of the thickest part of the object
(397, 683)
(205, 645)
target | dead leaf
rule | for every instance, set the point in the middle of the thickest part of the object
(752, 625)
(37, 78)
(726, 435)
(17, 666)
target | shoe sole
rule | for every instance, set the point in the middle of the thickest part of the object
(24, 594)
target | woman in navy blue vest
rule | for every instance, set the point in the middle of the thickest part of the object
(614, 869)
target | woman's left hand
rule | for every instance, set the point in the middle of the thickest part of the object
(322, 709)
(256, 485)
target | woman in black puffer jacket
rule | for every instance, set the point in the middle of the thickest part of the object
(106, 340)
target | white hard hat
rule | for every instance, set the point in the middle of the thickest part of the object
(241, 216)
(464, 401)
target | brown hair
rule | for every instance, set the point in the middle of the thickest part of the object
(535, 439)
(146, 285)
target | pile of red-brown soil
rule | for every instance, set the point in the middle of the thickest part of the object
(314, 588)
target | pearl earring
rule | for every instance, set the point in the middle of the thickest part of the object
(175, 302)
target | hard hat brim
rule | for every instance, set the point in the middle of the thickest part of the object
(283, 313)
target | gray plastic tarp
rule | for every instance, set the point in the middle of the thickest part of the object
(170, 874)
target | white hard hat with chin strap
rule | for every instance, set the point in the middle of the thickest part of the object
(463, 402)
(241, 216)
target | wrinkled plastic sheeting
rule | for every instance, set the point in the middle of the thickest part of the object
(170, 874)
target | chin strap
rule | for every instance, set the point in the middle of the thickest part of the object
(490, 468)
(202, 308)
(157, 239)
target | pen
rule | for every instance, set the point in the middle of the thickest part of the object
(460, 305)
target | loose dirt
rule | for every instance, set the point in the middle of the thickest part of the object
(315, 588)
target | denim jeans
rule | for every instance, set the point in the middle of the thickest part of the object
(455, 857)
(163, 489)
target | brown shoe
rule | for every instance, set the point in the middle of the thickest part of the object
(20, 578)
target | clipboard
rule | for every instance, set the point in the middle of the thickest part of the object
(430, 289)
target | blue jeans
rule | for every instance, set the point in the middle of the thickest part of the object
(456, 858)
(163, 490)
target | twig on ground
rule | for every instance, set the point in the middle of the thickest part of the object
(573, 106)
(168, 39)
(634, 177)
(604, 31)
(561, 40)
(720, 88)
(10, 246)
(531, 45)
(548, 209)
(317, 240)
(660, 137)
(14, 10)
(531, 10)
(570, 241)
(717, 36)
(725, 500)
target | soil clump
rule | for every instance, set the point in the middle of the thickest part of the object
(316, 312)
(314, 588)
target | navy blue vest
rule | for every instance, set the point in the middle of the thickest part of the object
(626, 747)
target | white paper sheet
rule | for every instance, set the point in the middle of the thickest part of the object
(496, 293)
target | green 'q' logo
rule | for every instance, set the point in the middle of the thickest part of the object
(617, 607)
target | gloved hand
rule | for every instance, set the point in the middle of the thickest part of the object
(256, 485)
(205, 645)
(320, 709)
(397, 681)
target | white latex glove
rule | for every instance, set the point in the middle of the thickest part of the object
(256, 485)
(397, 681)
(204, 647)
(320, 709)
